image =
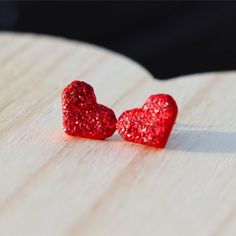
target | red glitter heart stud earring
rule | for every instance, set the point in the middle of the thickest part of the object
(150, 125)
(83, 116)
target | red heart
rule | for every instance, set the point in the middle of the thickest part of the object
(83, 116)
(151, 124)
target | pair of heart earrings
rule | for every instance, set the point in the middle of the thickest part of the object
(84, 117)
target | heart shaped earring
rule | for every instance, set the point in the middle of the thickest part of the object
(83, 116)
(151, 124)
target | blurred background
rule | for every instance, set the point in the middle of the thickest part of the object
(168, 38)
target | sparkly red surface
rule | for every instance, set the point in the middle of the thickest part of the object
(151, 124)
(83, 116)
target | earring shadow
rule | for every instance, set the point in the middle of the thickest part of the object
(202, 141)
(116, 137)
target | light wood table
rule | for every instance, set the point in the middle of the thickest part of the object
(52, 184)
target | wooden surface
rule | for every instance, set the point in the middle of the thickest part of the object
(52, 184)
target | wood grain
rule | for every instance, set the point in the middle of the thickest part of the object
(52, 184)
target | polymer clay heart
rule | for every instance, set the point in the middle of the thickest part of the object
(83, 116)
(151, 124)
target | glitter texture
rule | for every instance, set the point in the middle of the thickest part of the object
(83, 116)
(150, 125)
